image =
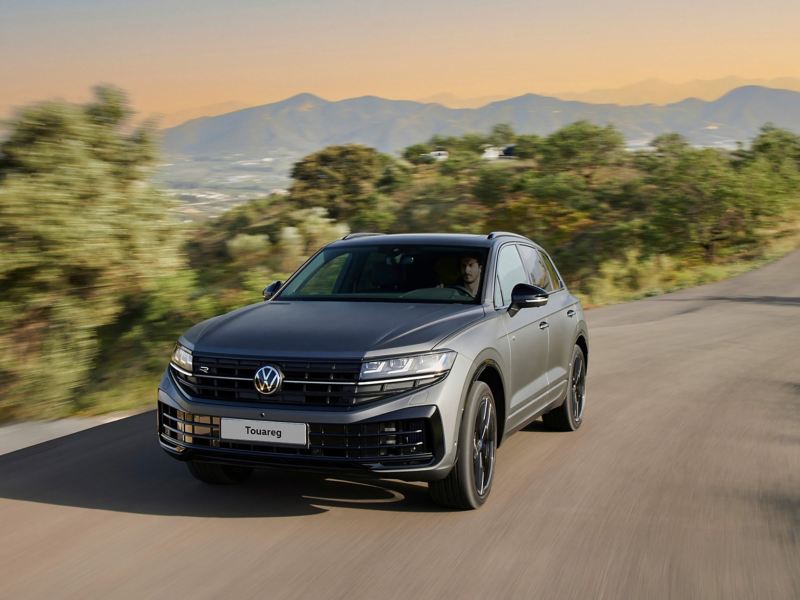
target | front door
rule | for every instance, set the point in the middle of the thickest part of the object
(528, 338)
(556, 312)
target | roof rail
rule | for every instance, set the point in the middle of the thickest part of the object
(351, 236)
(495, 234)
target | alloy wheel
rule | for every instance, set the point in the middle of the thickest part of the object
(578, 387)
(484, 444)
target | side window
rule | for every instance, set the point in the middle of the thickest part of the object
(536, 268)
(498, 294)
(552, 270)
(510, 272)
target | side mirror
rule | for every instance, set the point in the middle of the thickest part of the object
(272, 289)
(527, 296)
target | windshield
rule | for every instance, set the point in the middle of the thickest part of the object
(392, 274)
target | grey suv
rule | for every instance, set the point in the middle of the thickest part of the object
(398, 356)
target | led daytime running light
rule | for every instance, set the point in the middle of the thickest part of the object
(182, 358)
(435, 363)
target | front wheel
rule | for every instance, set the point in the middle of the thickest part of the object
(470, 481)
(217, 474)
(569, 416)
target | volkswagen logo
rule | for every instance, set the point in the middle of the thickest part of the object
(268, 380)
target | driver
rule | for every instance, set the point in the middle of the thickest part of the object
(470, 268)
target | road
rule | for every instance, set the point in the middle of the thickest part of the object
(684, 482)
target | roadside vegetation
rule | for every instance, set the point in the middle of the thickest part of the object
(99, 280)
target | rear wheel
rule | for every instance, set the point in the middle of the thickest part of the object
(569, 416)
(470, 481)
(217, 474)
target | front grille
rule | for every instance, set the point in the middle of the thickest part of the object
(305, 383)
(405, 441)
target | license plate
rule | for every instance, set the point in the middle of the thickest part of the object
(274, 433)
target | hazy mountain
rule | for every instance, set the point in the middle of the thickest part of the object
(656, 91)
(305, 122)
(453, 101)
(176, 118)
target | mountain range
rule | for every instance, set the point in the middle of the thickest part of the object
(646, 91)
(305, 122)
(657, 91)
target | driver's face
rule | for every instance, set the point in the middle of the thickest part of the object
(470, 270)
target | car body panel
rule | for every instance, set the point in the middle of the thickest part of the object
(330, 329)
(561, 329)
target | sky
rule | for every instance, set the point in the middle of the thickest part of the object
(176, 55)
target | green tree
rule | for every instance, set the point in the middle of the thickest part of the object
(550, 209)
(527, 146)
(256, 243)
(461, 163)
(778, 146)
(84, 239)
(344, 180)
(502, 134)
(418, 154)
(441, 204)
(699, 204)
(470, 142)
(493, 185)
(581, 147)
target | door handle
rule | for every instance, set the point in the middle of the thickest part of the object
(544, 325)
(570, 313)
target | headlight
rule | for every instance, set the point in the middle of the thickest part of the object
(419, 365)
(182, 358)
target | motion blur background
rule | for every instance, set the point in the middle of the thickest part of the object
(117, 232)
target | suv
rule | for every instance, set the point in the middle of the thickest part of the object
(401, 356)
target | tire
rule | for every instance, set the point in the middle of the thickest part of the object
(569, 416)
(477, 445)
(217, 474)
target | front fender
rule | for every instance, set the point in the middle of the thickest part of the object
(488, 359)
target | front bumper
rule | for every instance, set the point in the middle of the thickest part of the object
(406, 437)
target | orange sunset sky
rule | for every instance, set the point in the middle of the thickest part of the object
(174, 56)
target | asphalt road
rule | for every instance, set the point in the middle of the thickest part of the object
(684, 482)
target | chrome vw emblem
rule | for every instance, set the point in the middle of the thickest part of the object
(268, 380)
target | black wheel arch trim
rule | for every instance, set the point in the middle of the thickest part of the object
(487, 358)
(583, 333)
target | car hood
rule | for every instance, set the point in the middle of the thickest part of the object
(316, 329)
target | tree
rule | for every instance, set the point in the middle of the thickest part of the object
(550, 209)
(777, 145)
(83, 239)
(581, 147)
(441, 204)
(469, 142)
(239, 253)
(493, 185)
(502, 134)
(341, 179)
(418, 154)
(527, 146)
(699, 204)
(669, 146)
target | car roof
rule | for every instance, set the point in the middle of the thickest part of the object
(444, 239)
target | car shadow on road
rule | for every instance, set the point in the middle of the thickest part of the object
(120, 467)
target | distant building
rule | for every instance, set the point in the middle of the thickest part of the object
(491, 153)
(495, 152)
(439, 155)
